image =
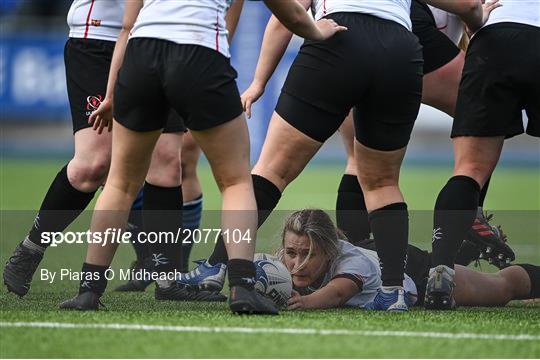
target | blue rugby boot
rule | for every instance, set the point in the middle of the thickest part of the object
(205, 276)
(393, 299)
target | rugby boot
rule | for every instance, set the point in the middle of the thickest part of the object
(20, 268)
(87, 301)
(491, 241)
(440, 288)
(178, 292)
(393, 300)
(249, 302)
(205, 276)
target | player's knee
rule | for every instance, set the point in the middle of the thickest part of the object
(226, 181)
(278, 176)
(87, 176)
(166, 169)
(190, 148)
(372, 181)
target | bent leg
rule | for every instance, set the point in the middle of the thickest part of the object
(474, 288)
(351, 212)
(75, 185)
(88, 168)
(440, 87)
(285, 153)
(378, 173)
(456, 205)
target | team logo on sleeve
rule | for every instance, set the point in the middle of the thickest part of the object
(92, 103)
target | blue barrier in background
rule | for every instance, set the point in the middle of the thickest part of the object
(32, 77)
(33, 84)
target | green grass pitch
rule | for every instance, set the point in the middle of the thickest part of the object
(137, 326)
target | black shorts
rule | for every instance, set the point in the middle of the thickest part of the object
(417, 267)
(157, 75)
(88, 62)
(438, 49)
(375, 66)
(500, 79)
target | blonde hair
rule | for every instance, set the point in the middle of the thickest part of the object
(319, 229)
(464, 41)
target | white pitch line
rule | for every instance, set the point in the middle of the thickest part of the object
(255, 330)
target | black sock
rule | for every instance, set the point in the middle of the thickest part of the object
(219, 255)
(135, 226)
(241, 273)
(467, 253)
(192, 213)
(390, 226)
(483, 193)
(93, 279)
(162, 213)
(61, 206)
(455, 211)
(534, 275)
(351, 213)
(267, 196)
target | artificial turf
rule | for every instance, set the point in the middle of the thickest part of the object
(514, 195)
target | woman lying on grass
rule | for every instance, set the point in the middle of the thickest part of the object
(328, 272)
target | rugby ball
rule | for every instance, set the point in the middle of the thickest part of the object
(272, 279)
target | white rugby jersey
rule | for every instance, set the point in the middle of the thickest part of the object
(450, 24)
(395, 10)
(96, 19)
(195, 22)
(363, 265)
(517, 11)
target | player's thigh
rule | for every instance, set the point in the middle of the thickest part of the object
(226, 147)
(376, 168)
(440, 89)
(474, 288)
(92, 148)
(285, 153)
(131, 156)
(346, 132)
